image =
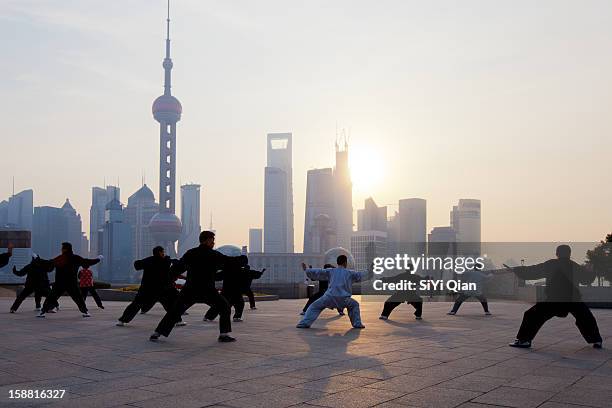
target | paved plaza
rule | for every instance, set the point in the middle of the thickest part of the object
(442, 361)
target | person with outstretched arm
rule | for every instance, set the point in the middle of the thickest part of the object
(66, 268)
(323, 285)
(562, 297)
(201, 264)
(235, 283)
(338, 294)
(408, 296)
(477, 277)
(37, 282)
(156, 285)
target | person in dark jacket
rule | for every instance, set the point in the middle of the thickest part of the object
(201, 264)
(66, 268)
(157, 285)
(323, 285)
(37, 282)
(562, 297)
(6, 257)
(236, 281)
(411, 297)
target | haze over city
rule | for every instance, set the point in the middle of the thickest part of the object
(444, 101)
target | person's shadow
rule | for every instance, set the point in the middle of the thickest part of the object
(334, 346)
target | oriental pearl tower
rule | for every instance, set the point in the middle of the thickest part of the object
(165, 226)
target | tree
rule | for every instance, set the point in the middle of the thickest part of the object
(600, 259)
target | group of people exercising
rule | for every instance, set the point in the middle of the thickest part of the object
(204, 266)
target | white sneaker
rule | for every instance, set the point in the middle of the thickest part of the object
(237, 319)
(121, 324)
(384, 317)
(487, 313)
(86, 314)
(180, 324)
(451, 313)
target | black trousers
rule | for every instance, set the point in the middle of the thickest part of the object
(27, 291)
(145, 300)
(58, 290)
(394, 302)
(94, 294)
(234, 299)
(541, 312)
(186, 299)
(251, 297)
(463, 297)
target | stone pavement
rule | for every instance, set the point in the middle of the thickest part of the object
(442, 361)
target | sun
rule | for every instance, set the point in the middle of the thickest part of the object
(367, 168)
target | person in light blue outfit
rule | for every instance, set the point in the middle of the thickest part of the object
(338, 294)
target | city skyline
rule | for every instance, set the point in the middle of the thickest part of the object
(482, 152)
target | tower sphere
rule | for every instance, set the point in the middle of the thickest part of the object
(167, 109)
(165, 227)
(332, 255)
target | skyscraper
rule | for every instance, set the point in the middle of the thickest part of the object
(165, 225)
(367, 245)
(343, 196)
(255, 240)
(465, 219)
(412, 225)
(116, 245)
(372, 217)
(190, 217)
(21, 210)
(278, 195)
(141, 207)
(52, 226)
(320, 201)
(99, 198)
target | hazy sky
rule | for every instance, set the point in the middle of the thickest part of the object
(509, 102)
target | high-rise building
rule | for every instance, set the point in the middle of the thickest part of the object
(74, 228)
(141, 207)
(275, 211)
(116, 246)
(21, 210)
(278, 195)
(100, 197)
(319, 220)
(255, 240)
(372, 217)
(343, 196)
(442, 242)
(190, 217)
(465, 219)
(165, 225)
(413, 225)
(367, 245)
(52, 226)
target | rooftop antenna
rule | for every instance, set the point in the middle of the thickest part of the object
(13, 186)
(211, 223)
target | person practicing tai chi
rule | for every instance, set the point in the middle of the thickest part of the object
(86, 283)
(477, 277)
(562, 297)
(66, 268)
(235, 279)
(156, 285)
(201, 264)
(323, 285)
(247, 287)
(338, 294)
(37, 282)
(411, 297)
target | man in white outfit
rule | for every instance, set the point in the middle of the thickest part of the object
(338, 294)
